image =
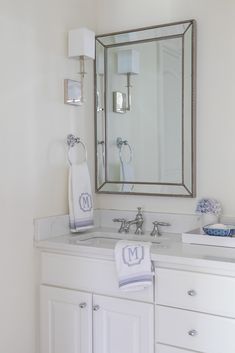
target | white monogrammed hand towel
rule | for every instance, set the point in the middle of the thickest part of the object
(133, 263)
(80, 198)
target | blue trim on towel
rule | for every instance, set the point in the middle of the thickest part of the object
(80, 224)
(137, 279)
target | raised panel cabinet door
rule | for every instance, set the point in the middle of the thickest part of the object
(65, 321)
(122, 326)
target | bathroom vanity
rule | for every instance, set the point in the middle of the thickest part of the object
(190, 307)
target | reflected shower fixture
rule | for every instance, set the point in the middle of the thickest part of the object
(81, 45)
(127, 64)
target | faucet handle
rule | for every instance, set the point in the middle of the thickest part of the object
(156, 230)
(163, 224)
(139, 221)
(123, 222)
(119, 220)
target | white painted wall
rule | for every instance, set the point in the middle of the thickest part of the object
(34, 124)
(215, 93)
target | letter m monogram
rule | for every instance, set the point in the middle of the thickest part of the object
(85, 202)
(132, 255)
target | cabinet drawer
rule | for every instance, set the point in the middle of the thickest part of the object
(195, 331)
(196, 291)
(86, 274)
(160, 348)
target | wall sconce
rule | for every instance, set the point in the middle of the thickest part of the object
(127, 64)
(81, 45)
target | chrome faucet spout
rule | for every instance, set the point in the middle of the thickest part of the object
(138, 221)
(128, 224)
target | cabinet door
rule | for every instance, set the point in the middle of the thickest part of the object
(122, 326)
(66, 321)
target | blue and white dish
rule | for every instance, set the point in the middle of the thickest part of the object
(221, 230)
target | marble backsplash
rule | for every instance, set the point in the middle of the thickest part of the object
(49, 227)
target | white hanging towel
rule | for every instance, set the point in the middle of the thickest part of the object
(133, 263)
(80, 198)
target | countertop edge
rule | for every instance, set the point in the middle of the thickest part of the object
(214, 264)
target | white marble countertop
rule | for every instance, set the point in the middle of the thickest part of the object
(169, 250)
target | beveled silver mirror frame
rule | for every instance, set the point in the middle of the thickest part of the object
(144, 188)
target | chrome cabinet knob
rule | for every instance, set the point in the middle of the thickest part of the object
(82, 305)
(192, 293)
(192, 333)
(96, 307)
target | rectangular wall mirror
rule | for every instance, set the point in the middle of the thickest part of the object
(145, 111)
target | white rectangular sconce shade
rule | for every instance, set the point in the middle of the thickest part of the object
(81, 42)
(128, 61)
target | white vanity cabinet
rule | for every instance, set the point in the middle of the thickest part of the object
(194, 311)
(87, 315)
(191, 308)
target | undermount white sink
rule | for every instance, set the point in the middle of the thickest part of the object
(110, 239)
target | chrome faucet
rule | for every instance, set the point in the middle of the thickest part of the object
(138, 221)
(125, 224)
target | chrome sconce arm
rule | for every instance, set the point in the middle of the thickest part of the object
(128, 106)
(82, 74)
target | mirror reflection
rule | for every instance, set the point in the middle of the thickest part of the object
(145, 111)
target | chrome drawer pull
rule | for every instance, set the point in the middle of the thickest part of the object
(192, 333)
(96, 307)
(82, 305)
(192, 293)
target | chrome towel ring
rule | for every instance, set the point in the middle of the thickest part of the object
(71, 142)
(120, 143)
